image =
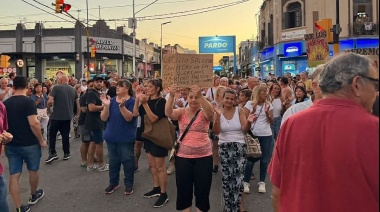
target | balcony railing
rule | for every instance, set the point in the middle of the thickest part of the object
(365, 28)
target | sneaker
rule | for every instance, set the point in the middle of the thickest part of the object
(92, 168)
(104, 168)
(170, 170)
(34, 198)
(128, 190)
(66, 156)
(246, 187)
(111, 188)
(137, 169)
(51, 158)
(153, 193)
(261, 188)
(23, 208)
(162, 200)
(215, 169)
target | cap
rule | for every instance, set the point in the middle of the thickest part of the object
(97, 77)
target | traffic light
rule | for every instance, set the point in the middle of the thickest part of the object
(325, 24)
(93, 52)
(5, 61)
(60, 6)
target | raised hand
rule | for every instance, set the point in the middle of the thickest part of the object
(252, 118)
(122, 101)
(173, 89)
(143, 98)
(105, 100)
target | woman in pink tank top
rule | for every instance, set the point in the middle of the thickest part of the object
(193, 162)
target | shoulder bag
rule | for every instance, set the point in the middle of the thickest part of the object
(161, 132)
(175, 148)
(253, 144)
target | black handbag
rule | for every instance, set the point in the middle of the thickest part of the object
(174, 150)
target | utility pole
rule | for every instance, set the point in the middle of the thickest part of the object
(336, 30)
(88, 44)
(134, 39)
(99, 13)
(162, 46)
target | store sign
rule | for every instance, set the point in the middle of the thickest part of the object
(104, 44)
(218, 68)
(4, 71)
(267, 53)
(297, 34)
(367, 43)
(293, 49)
(219, 44)
(287, 67)
(372, 53)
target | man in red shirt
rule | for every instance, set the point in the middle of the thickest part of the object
(4, 138)
(327, 156)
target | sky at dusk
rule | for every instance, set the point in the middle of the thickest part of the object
(238, 19)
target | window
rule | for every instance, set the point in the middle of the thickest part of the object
(292, 17)
(362, 19)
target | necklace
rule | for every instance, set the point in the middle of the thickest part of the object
(228, 123)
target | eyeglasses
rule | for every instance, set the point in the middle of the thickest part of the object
(374, 81)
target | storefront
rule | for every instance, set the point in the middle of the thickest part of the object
(267, 62)
(293, 58)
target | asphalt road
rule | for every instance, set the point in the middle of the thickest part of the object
(70, 188)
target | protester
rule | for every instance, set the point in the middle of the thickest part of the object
(194, 159)
(40, 100)
(5, 138)
(94, 124)
(120, 135)
(63, 97)
(300, 94)
(211, 92)
(276, 99)
(25, 145)
(349, 83)
(230, 124)
(5, 91)
(152, 105)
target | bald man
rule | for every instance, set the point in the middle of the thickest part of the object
(62, 98)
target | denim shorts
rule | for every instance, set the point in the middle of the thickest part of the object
(96, 136)
(84, 133)
(17, 155)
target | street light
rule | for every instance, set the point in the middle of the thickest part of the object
(161, 43)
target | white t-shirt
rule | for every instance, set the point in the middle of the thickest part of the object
(230, 130)
(9, 94)
(277, 107)
(261, 127)
(295, 109)
(210, 95)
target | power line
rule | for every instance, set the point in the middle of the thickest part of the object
(130, 5)
(46, 11)
(49, 7)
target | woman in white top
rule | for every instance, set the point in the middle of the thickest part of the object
(230, 123)
(276, 99)
(261, 128)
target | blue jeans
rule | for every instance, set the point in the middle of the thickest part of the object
(266, 144)
(3, 195)
(121, 153)
(276, 126)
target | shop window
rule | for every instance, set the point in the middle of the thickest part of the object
(363, 17)
(292, 16)
(66, 66)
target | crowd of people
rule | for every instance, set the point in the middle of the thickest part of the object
(317, 135)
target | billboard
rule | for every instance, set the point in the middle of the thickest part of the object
(217, 44)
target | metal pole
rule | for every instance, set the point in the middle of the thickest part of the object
(88, 45)
(146, 64)
(336, 30)
(161, 52)
(134, 40)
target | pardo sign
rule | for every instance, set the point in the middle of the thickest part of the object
(218, 44)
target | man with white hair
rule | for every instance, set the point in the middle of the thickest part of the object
(327, 157)
(224, 81)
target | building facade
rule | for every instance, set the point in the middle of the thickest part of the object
(283, 24)
(46, 52)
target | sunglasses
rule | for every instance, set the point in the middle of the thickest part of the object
(374, 81)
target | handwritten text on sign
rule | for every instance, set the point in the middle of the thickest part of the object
(317, 48)
(188, 69)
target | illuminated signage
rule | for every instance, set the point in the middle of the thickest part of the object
(293, 49)
(104, 44)
(219, 44)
